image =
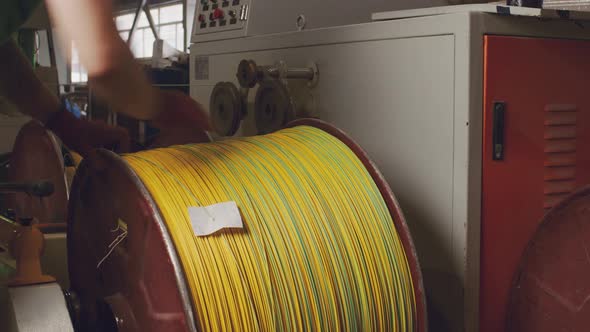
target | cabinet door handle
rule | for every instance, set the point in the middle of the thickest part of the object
(498, 131)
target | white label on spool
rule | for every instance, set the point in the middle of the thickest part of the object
(207, 220)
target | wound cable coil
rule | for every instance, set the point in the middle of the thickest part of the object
(70, 171)
(319, 249)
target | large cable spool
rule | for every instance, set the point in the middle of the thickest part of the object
(550, 290)
(38, 155)
(126, 270)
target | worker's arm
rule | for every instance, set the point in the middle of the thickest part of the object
(117, 78)
(20, 86)
(113, 73)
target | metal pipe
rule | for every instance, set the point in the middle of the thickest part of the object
(249, 73)
(289, 73)
(273, 72)
(300, 73)
(146, 10)
(140, 6)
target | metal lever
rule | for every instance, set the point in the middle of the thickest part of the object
(282, 71)
(38, 189)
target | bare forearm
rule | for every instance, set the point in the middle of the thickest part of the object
(125, 86)
(20, 85)
(113, 72)
(90, 25)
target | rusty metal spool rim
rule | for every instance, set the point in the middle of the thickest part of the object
(118, 162)
(170, 247)
(174, 292)
(58, 148)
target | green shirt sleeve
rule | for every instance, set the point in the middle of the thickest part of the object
(13, 13)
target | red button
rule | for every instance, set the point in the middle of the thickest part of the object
(201, 18)
(218, 13)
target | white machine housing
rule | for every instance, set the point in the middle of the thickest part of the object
(409, 90)
(261, 17)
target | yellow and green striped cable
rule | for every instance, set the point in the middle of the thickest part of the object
(319, 249)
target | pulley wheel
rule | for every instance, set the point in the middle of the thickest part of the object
(123, 266)
(551, 288)
(247, 74)
(226, 108)
(273, 107)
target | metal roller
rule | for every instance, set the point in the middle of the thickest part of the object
(138, 284)
(249, 73)
(227, 108)
(273, 107)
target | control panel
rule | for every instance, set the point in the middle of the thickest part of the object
(213, 16)
(231, 19)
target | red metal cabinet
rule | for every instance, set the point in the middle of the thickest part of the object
(544, 85)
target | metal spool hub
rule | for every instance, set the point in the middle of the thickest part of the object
(227, 108)
(273, 107)
(141, 281)
(37, 155)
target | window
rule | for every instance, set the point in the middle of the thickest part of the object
(78, 73)
(168, 21)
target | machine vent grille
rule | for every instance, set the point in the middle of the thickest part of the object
(560, 153)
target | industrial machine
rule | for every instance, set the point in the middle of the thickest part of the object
(476, 115)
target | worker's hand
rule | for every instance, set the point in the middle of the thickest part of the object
(181, 120)
(85, 136)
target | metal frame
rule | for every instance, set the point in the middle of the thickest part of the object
(142, 6)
